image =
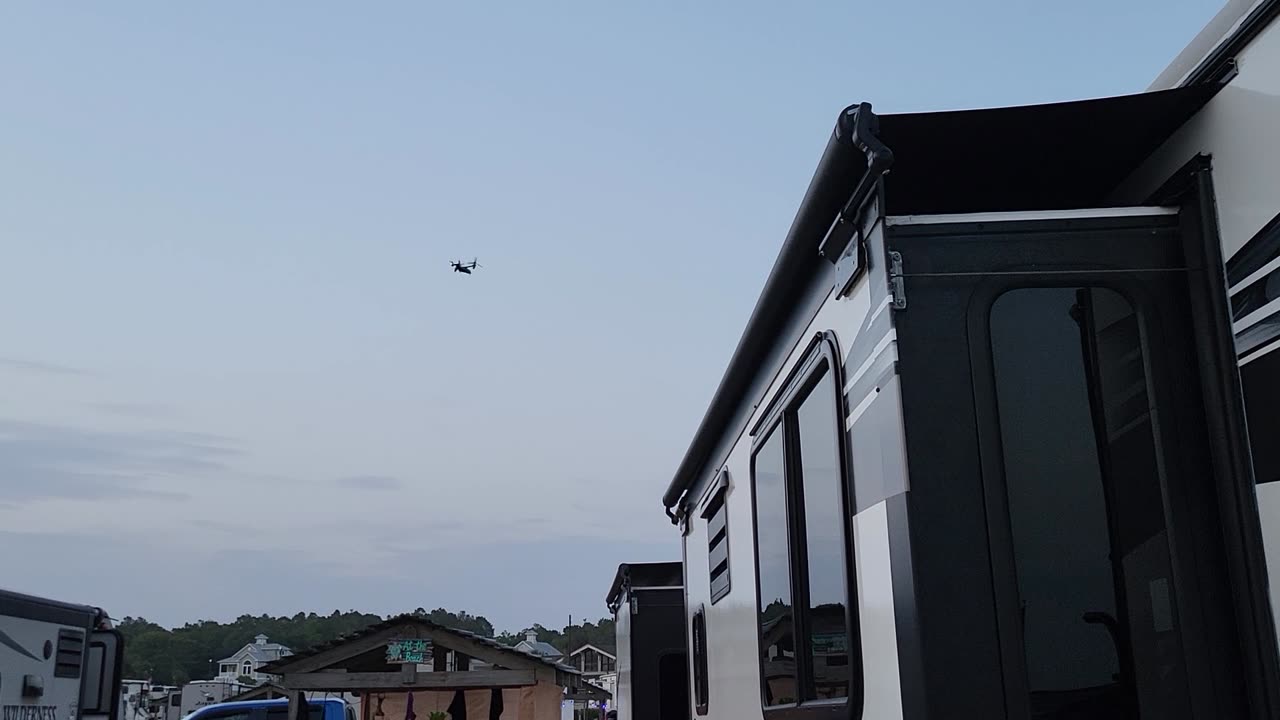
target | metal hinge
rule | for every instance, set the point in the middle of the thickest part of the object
(897, 289)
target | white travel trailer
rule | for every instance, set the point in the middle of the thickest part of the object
(58, 661)
(983, 448)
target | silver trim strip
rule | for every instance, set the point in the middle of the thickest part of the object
(1255, 276)
(884, 305)
(1256, 316)
(889, 338)
(862, 407)
(1264, 350)
(1031, 215)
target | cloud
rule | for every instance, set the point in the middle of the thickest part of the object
(370, 482)
(474, 576)
(138, 410)
(43, 368)
(41, 461)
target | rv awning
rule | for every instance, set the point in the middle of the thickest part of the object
(1037, 157)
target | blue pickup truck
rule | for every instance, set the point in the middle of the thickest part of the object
(319, 709)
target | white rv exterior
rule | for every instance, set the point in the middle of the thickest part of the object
(870, 315)
(58, 661)
(1238, 130)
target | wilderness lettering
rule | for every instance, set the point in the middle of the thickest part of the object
(30, 712)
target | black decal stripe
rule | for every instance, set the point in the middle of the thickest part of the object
(13, 645)
(1260, 381)
(1259, 251)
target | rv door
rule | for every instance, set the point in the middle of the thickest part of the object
(100, 688)
(1074, 365)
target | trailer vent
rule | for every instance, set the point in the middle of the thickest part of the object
(70, 657)
(716, 514)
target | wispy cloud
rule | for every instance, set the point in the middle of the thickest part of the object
(150, 411)
(43, 368)
(42, 461)
(370, 482)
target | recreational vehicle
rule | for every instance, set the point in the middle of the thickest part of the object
(983, 449)
(647, 602)
(58, 661)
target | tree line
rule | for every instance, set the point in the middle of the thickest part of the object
(191, 652)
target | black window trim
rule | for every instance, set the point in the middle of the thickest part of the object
(821, 358)
(700, 663)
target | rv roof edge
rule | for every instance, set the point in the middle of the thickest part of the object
(822, 201)
(1210, 56)
(965, 161)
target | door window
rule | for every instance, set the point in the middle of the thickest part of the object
(1084, 491)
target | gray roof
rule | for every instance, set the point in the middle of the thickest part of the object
(544, 649)
(259, 653)
(589, 646)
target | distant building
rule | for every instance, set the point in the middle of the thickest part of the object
(598, 667)
(591, 660)
(248, 659)
(196, 695)
(531, 644)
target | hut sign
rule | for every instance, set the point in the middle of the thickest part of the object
(411, 651)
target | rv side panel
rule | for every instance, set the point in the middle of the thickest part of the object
(1237, 130)
(861, 325)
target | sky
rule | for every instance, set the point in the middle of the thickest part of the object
(237, 374)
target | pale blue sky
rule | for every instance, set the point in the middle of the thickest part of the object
(236, 372)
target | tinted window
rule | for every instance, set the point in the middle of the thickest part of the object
(777, 642)
(281, 712)
(227, 715)
(700, 680)
(824, 542)
(673, 686)
(1084, 491)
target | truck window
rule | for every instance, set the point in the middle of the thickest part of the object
(236, 714)
(281, 712)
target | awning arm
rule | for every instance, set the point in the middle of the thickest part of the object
(859, 126)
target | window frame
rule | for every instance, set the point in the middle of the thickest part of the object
(820, 361)
(699, 661)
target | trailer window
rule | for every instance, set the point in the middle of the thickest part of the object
(824, 545)
(802, 544)
(777, 643)
(701, 685)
